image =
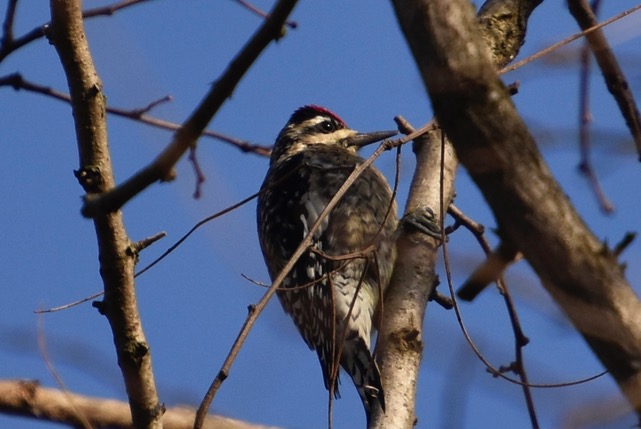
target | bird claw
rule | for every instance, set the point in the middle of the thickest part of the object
(423, 220)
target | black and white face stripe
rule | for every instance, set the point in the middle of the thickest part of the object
(307, 126)
(319, 124)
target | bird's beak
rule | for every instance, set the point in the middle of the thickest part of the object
(363, 139)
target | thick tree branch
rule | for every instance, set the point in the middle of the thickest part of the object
(532, 211)
(29, 399)
(400, 341)
(162, 168)
(95, 175)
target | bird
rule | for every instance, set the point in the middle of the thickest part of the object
(333, 292)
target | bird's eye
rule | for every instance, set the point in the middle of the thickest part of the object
(327, 126)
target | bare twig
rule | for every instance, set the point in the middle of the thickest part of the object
(110, 9)
(160, 258)
(139, 246)
(10, 45)
(500, 372)
(78, 415)
(567, 40)
(585, 119)
(612, 72)
(162, 168)
(262, 13)
(200, 175)
(70, 304)
(149, 107)
(520, 341)
(17, 82)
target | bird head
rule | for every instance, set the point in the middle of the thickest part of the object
(314, 125)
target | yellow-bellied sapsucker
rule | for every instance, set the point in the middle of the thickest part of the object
(335, 288)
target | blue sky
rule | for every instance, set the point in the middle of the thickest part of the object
(349, 56)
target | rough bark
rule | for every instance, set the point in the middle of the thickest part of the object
(400, 342)
(95, 174)
(400, 345)
(532, 211)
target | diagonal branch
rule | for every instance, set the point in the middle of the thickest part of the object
(9, 44)
(413, 282)
(612, 73)
(162, 168)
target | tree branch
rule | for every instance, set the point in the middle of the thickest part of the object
(532, 211)
(29, 399)
(162, 168)
(17, 82)
(400, 341)
(612, 74)
(9, 44)
(96, 175)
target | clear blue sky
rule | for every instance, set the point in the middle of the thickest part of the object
(350, 57)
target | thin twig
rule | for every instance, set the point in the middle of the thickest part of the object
(170, 249)
(139, 246)
(612, 73)
(585, 119)
(567, 40)
(42, 347)
(263, 14)
(38, 32)
(161, 257)
(198, 172)
(149, 107)
(70, 304)
(17, 82)
(520, 341)
(110, 9)
(254, 281)
(490, 368)
(496, 261)
(518, 333)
